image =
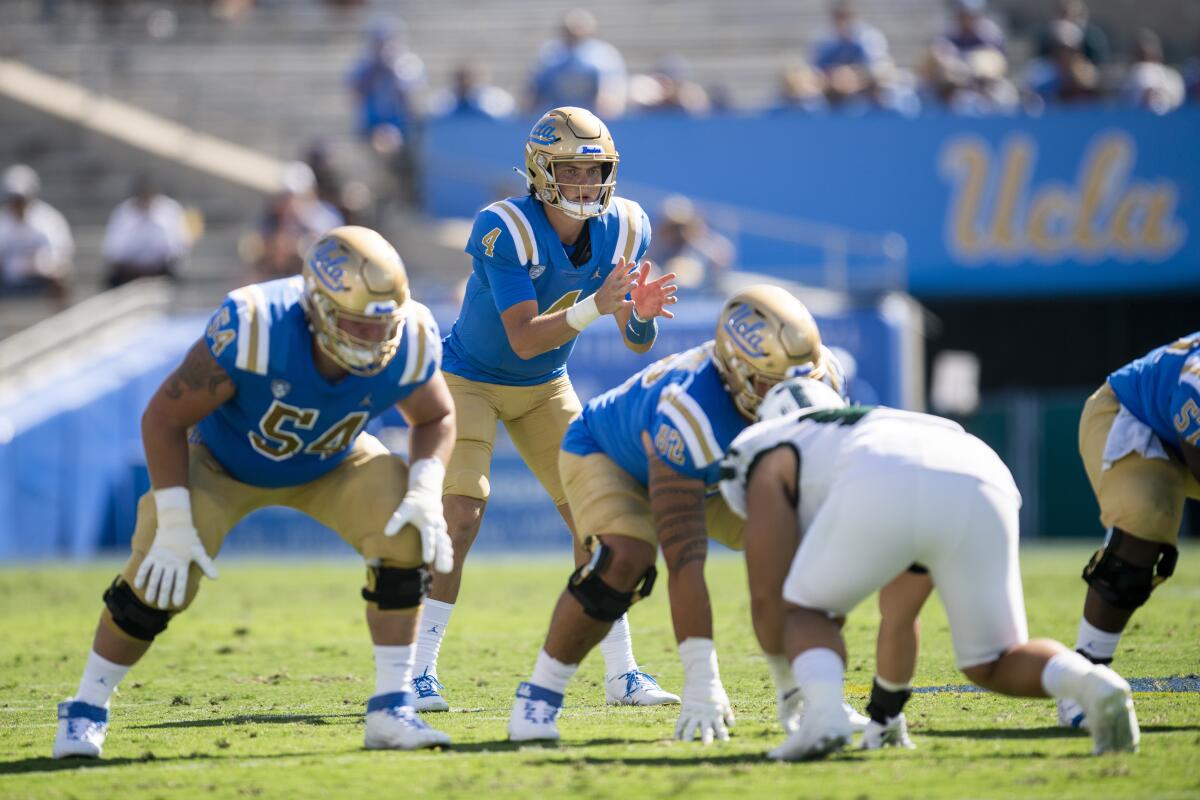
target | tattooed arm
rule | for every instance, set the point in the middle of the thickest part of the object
(677, 506)
(193, 391)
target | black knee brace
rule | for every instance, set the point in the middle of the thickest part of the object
(1123, 584)
(398, 588)
(599, 600)
(132, 615)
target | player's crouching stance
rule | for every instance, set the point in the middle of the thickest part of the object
(278, 391)
(640, 468)
(851, 496)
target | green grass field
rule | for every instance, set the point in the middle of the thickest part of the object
(259, 690)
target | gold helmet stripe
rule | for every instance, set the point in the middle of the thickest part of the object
(693, 423)
(254, 330)
(520, 229)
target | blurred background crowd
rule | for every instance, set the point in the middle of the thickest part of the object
(974, 60)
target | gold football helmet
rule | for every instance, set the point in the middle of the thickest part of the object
(353, 275)
(764, 334)
(570, 134)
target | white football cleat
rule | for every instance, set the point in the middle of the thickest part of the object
(858, 722)
(1107, 704)
(81, 730)
(427, 690)
(892, 734)
(820, 731)
(1070, 714)
(636, 688)
(393, 724)
(534, 715)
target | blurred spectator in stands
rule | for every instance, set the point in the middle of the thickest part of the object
(1065, 75)
(1095, 42)
(389, 82)
(801, 89)
(1149, 83)
(887, 89)
(851, 42)
(669, 88)
(684, 244)
(976, 85)
(293, 220)
(472, 95)
(578, 69)
(350, 199)
(147, 235)
(35, 241)
(971, 29)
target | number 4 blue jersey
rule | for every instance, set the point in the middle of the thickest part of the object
(680, 401)
(286, 424)
(517, 256)
(1162, 389)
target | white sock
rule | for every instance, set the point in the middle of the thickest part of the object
(617, 648)
(435, 616)
(1063, 675)
(781, 671)
(393, 668)
(1097, 644)
(819, 673)
(550, 673)
(100, 679)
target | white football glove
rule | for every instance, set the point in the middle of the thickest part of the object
(705, 709)
(164, 572)
(422, 508)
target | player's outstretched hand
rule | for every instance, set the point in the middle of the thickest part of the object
(651, 297)
(163, 574)
(701, 718)
(422, 508)
(610, 297)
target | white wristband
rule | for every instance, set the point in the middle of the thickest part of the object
(174, 506)
(583, 313)
(699, 657)
(427, 475)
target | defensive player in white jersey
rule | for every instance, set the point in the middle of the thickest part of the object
(268, 409)
(850, 497)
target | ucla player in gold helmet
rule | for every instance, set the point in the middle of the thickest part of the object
(545, 267)
(268, 408)
(640, 468)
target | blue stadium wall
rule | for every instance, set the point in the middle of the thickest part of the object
(72, 466)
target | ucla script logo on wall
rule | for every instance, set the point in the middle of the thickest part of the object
(745, 328)
(997, 212)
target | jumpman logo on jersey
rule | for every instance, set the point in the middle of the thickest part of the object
(596, 274)
(433, 628)
(367, 402)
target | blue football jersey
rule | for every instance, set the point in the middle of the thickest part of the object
(1162, 389)
(517, 256)
(680, 401)
(286, 424)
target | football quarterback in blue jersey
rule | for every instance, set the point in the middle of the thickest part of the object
(276, 395)
(640, 469)
(545, 266)
(1138, 438)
